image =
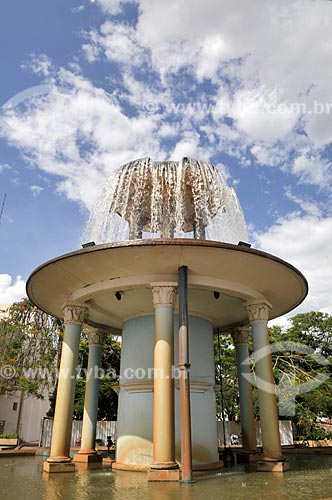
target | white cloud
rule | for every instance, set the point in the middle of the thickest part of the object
(40, 64)
(305, 242)
(118, 42)
(186, 146)
(80, 134)
(309, 207)
(253, 53)
(311, 168)
(11, 292)
(78, 9)
(111, 6)
(91, 52)
(269, 76)
(36, 190)
(270, 156)
(258, 115)
(3, 167)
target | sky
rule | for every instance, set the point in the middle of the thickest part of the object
(88, 85)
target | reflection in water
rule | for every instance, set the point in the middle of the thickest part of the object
(310, 478)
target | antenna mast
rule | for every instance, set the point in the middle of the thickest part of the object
(3, 206)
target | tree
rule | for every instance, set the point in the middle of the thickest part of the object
(227, 397)
(29, 348)
(305, 360)
(110, 369)
(301, 356)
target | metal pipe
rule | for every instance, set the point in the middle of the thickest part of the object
(184, 367)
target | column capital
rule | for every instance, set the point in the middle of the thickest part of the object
(97, 336)
(258, 310)
(164, 294)
(75, 313)
(240, 334)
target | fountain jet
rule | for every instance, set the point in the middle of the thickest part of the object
(166, 199)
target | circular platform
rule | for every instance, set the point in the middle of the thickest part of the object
(114, 280)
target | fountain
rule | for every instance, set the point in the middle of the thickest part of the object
(153, 224)
(170, 199)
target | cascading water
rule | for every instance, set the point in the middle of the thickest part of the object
(168, 199)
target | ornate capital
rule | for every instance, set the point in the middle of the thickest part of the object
(163, 295)
(97, 337)
(75, 313)
(258, 311)
(241, 334)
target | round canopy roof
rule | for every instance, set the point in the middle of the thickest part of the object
(95, 274)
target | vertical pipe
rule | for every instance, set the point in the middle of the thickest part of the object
(184, 367)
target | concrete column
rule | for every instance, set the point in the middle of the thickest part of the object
(163, 467)
(88, 452)
(240, 337)
(59, 460)
(258, 313)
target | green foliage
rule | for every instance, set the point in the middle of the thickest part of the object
(227, 398)
(8, 436)
(315, 432)
(30, 351)
(303, 354)
(29, 346)
(108, 400)
(311, 332)
(110, 365)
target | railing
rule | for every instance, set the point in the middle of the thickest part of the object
(104, 428)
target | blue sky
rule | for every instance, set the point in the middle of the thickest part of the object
(89, 85)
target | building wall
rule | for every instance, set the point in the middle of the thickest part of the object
(28, 424)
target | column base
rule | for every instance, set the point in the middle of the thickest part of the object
(109, 461)
(130, 467)
(51, 467)
(87, 458)
(248, 456)
(164, 474)
(163, 465)
(281, 466)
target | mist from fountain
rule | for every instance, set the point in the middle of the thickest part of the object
(167, 199)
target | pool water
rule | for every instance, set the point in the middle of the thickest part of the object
(310, 478)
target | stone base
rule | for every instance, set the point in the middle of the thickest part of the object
(245, 457)
(87, 459)
(131, 467)
(146, 467)
(51, 467)
(263, 466)
(108, 461)
(164, 475)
